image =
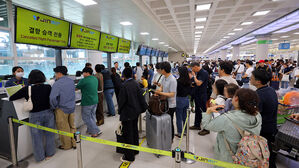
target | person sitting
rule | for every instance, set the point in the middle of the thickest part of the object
(229, 92)
(131, 103)
(41, 114)
(245, 116)
(18, 73)
(143, 82)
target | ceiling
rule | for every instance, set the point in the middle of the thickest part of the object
(171, 21)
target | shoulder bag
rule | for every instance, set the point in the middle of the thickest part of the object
(28, 106)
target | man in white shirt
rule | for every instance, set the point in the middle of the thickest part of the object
(239, 69)
(138, 72)
(248, 74)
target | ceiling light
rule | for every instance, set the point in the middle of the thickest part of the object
(238, 29)
(166, 45)
(226, 37)
(203, 7)
(144, 33)
(199, 27)
(296, 33)
(197, 36)
(1, 18)
(155, 39)
(291, 28)
(230, 34)
(260, 13)
(246, 23)
(126, 23)
(198, 32)
(86, 2)
(161, 42)
(284, 36)
(203, 19)
(274, 39)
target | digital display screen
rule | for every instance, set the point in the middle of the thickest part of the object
(85, 38)
(166, 55)
(158, 53)
(36, 28)
(142, 50)
(148, 51)
(124, 46)
(108, 43)
(161, 53)
(154, 52)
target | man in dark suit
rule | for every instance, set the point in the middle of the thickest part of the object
(131, 103)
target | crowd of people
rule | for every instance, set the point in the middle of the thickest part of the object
(243, 90)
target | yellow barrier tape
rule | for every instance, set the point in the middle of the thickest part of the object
(44, 128)
(125, 165)
(182, 134)
(127, 146)
(134, 147)
(213, 161)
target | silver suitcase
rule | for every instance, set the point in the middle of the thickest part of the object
(158, 131)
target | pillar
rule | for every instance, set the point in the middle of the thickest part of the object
(109, 60)
(236, 52)
(223, 54)
(58, 57)
(262, 47)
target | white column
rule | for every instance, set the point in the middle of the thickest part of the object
(236, 52)
(223, 54)
(94, 57)
(262, 47)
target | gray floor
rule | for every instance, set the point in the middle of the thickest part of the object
(98, 155)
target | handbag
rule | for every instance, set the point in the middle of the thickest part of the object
(28, 106)
(157, 105)
(285, 78)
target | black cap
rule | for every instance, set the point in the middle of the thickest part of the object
(61, 69)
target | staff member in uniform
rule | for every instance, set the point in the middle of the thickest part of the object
(18, 73)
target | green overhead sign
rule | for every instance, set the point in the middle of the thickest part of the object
(36, 28)
(124, 46)
(264, 42)
(85, 38)
(108, 43)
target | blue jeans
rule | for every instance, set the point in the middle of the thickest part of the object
(239, 77)
(284, 84)
(245, 85)
(42, 150)
(108, 96)
(182, 104)
(89, 118)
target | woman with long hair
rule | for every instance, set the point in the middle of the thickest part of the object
(182, 99)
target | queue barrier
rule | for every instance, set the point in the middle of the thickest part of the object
(177, 153)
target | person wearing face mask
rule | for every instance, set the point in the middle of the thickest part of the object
(18, 73)
(62, 100)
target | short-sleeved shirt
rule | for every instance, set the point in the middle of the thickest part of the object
(89, 90)
(169, 85)
(249, 72)
(202, 76)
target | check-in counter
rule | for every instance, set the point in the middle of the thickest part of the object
(22, 132)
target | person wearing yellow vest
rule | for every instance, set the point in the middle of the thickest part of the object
(18, 73)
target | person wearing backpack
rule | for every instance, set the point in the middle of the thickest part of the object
(245, 116)
(268, 108)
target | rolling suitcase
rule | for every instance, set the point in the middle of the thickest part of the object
(158, 131)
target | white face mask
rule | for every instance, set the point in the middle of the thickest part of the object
(20, 74)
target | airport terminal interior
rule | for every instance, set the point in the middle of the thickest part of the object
(82, 82)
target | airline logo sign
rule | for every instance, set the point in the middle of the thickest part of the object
(36, 28)
(284, 46)
(85, 38)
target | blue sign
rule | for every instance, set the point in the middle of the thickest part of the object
(284, 46)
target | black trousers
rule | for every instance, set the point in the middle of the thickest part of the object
(270, 138)
(130, 134)
(200, 107)
(171, 112)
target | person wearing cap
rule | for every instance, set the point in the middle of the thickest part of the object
(261, 65)
(89, 101)
(62, 100)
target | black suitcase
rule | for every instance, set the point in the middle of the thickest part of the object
(287, 138)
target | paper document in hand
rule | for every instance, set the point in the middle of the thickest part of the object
(12, 90)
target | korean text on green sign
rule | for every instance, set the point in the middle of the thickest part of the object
(108, 43)
(85, 38)
(124, 46)
(36, 28)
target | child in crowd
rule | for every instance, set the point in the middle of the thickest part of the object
(218, 88)
(229, 92)
(143, 82)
